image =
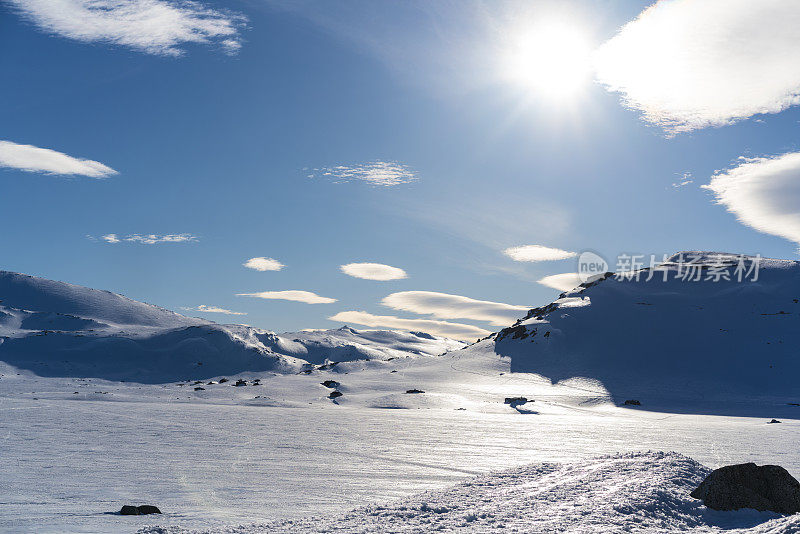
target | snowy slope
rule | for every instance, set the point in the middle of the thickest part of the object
(665, 341)
(346, 344)
(59, 298)
(637, 492)
(59, 329)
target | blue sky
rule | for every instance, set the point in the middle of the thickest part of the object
(223, 136)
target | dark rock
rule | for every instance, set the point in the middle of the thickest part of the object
(632, 402)
(198, 388)
(223, 380)
(129, 510)
(766, 487)
(414, 391)
(335, 394)
(515, 400)
(773, 422)
(331, 384)
(516, 332)
(240, 383)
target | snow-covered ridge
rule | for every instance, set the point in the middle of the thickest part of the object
(60, 329)
(678, 331)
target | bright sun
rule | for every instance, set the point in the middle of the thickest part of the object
(553, 59)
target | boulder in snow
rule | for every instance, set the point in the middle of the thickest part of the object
(766, 487)
(139, 510)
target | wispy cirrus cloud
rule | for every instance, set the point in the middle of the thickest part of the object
(446, 306)
(763, 193)
(212, 309)
(537, 253)
(684, 179)
(688, 65)
(373, 271)
(561, 282)
(294, 295)
(31, 158)
(464, 332)
(147, 239)
(158, 27)
(263, 264)
(377, 173)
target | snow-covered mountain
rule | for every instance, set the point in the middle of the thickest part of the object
(59, 329)
(679, 331)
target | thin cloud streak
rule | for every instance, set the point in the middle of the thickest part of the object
(446, 306)
(151, 26)
(149, 239)
(537, 253)
(213, 309)
(460, 331)
(294, 295)
(373, 271)
(687, 65)
(31, 158)
(561, 282)
(376, 173)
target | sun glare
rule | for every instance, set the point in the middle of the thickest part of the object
(552, 59)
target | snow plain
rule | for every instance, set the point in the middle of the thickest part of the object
(76, 443)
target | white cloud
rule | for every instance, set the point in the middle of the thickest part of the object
(379, 173)
(149, 239)
(263, 264)
(685, 179)
(688, 64)
(294, 295)
(445, 306)
(561, 282)
(158, 27)
(213, 309)
(537, 253)
(460, 331)
(373, 271)
(34, 159)
(763, 193)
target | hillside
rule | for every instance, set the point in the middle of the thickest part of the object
(59, 329)
(662, 341)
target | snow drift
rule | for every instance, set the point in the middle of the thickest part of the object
(635, 492)
(59, 329)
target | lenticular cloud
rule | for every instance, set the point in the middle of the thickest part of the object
(763, 193)
(31, 158)
(687, 65)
